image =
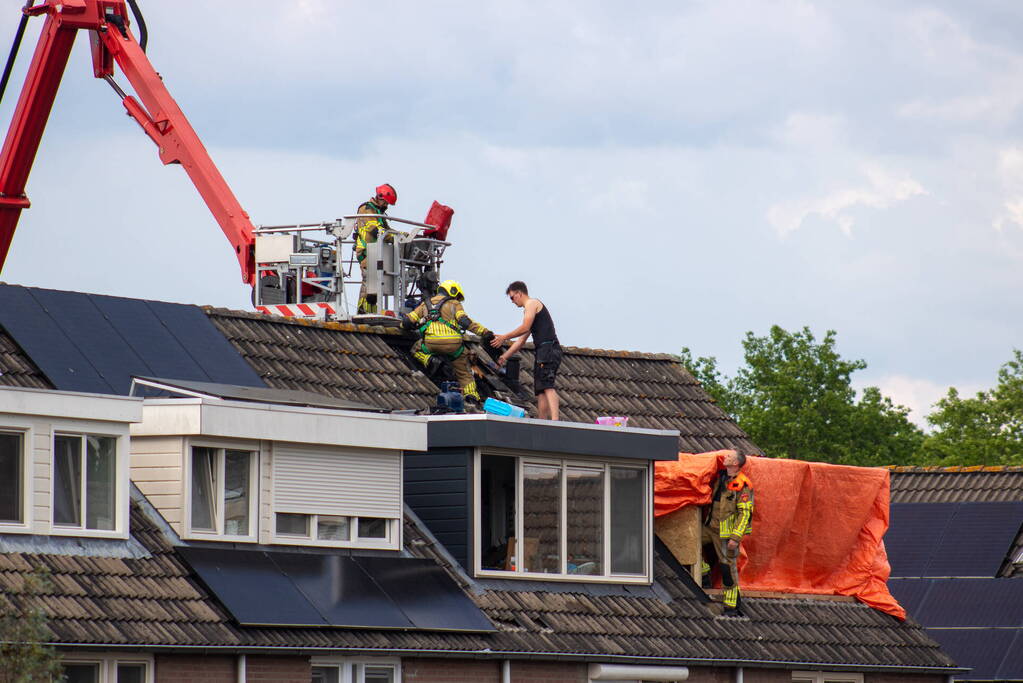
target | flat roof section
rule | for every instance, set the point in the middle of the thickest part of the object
(575, 438)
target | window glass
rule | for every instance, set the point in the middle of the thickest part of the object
(326, 674)
(131, 673)
(204, 486)
(236, 492)
(628, 511)
(371, 527)
(100, 468)
(497, 512)
(378, 674)
(541, 518)
(11, 497)
(81, 673)
(329, 528)
(585, 496)
(290, 524)
(67, 480)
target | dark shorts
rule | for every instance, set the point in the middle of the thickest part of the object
(545, 368)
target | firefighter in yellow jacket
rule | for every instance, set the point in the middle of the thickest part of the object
(367, 231)
(728, 519)
(441, 322)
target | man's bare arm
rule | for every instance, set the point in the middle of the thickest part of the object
(512, 350)
(531, 309)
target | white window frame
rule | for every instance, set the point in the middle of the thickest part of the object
(391, 540)
(27, 490)
(107, 664)
(346, 666)
(830, 676)
(121, 449)
(522, 459)
(254, 485)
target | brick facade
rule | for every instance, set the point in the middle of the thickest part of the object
(489, 671)
(224, 669)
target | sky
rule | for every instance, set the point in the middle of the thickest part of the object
(662, 175)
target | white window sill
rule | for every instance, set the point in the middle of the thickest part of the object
(363, 544)
(569, 578)
(86, 533)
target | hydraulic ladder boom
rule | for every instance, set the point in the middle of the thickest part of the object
(154, 110)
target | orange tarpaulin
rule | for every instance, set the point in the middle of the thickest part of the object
(817, 528)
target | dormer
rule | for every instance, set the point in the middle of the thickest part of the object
(578, 496)
(64, 462)
(257, 472)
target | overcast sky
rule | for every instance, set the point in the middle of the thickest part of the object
(662, 174)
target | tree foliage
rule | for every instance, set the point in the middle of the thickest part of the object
(794, 397)
(25, 656)
(984, 430)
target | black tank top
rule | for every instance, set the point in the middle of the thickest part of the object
(542, 328)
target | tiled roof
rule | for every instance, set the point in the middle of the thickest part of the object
(17, 369)
(154, 599)
(372, 364)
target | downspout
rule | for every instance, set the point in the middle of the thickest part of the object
(506, 671)
(241, 668)
(738, 674)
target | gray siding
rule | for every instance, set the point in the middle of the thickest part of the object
(439, 491)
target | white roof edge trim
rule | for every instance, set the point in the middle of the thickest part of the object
(551, 423)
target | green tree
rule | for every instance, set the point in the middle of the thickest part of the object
(984, 430)
(794, 397)
(24, 655)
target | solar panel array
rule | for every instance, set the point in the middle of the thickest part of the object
(93, 343)
(274, 588)
(951, 539)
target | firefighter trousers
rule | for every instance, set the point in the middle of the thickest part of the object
(364, 305)
(448, 348)
(728, 561)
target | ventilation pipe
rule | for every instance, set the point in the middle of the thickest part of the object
(242, 665)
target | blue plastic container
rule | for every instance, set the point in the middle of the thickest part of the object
(495, 407)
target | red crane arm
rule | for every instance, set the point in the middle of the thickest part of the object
(158, 115)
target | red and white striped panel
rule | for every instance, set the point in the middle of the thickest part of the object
(313, 310)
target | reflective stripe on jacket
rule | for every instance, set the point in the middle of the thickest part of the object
(368, 229)
(732, 508)
(447, 326)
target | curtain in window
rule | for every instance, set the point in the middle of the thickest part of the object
(204, 480)
(11, 500)
(100, 486)
(67, 480)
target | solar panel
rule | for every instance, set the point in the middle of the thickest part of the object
(45, 342)
(976, 540)
(251, 587)
(910, 593)
(973, 602)
(88, 342)
(341, 591)
(1011, 668)
(425, 593)
(981, 649)
(85, 326)
(160, 351)
(914, 532)
(205, 344)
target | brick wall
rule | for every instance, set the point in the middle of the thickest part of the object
(185, 668)
(277, 669)
(489, 671)
(224, 669)
(901, 678)
(711, 674)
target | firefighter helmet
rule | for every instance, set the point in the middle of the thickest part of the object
(452, 289)
(388, 193)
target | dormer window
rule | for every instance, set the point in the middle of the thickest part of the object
(85, 482)
(587, 520)
(222, 500)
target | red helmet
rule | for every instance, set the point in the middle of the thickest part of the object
(387, 193)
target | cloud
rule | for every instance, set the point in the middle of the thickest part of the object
(883, 189)
(916, 393)
(1010, 172)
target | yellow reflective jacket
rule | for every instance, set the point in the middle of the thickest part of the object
(450, 320)
(731, 510)
(367, 230)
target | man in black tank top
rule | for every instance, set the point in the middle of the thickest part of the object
(536, 322)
